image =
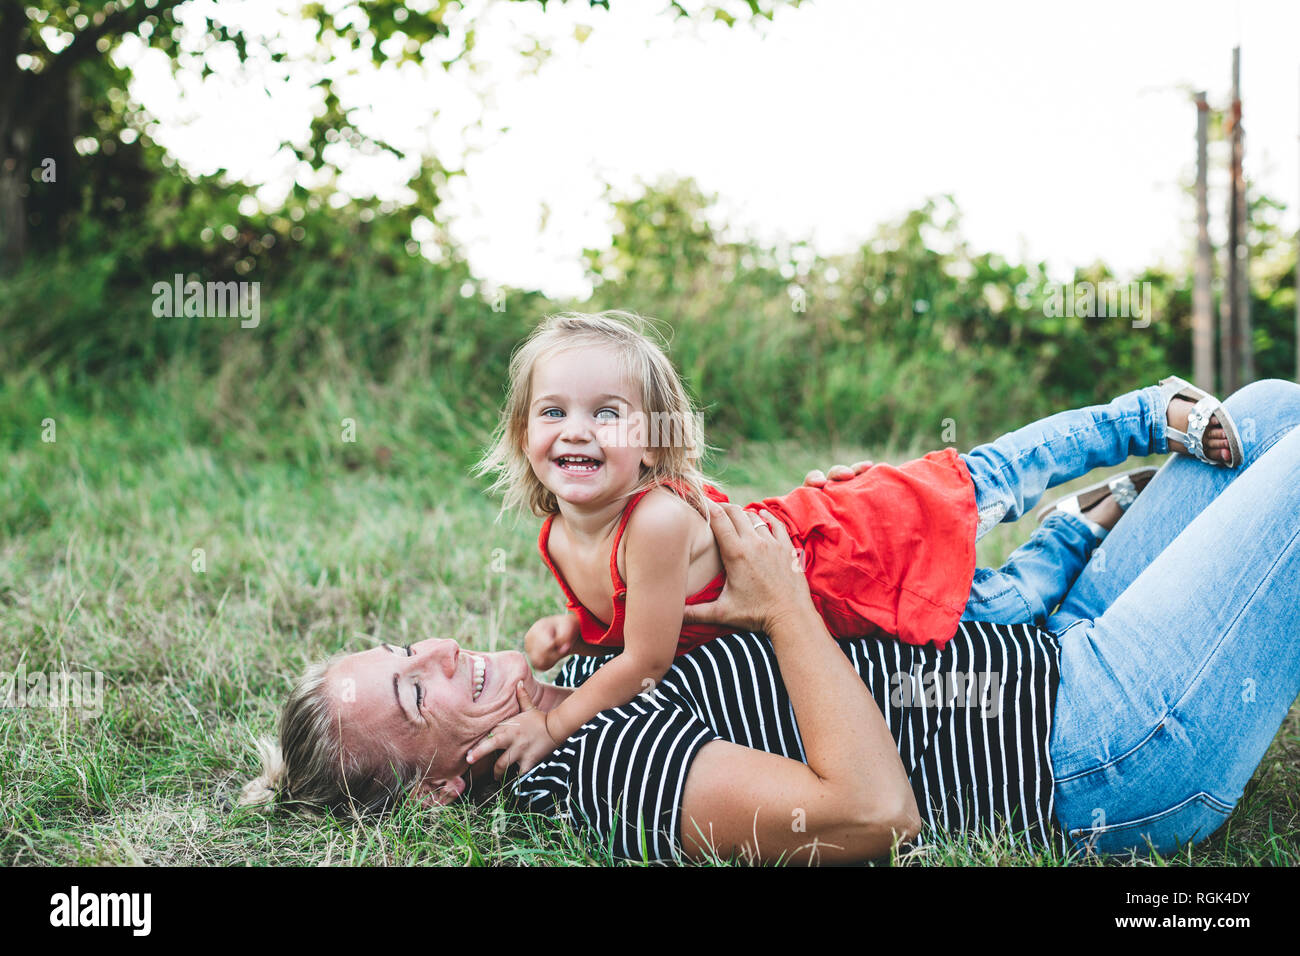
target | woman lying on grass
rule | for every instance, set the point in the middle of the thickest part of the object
(1133, 719)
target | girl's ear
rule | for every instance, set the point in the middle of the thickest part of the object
(650, 457)
(439, 793)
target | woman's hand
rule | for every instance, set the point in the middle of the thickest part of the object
(765, 579)
(851, 796)
(815, 478)
(550, 639)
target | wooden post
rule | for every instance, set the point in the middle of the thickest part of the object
(1245, 329)
(1230, 302)
(1202, 304)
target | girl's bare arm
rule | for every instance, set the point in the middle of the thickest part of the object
(657, 557)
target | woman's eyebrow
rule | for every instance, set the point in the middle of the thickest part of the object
(397, 696)
(397, 693)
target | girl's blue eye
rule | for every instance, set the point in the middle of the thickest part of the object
(546, 413)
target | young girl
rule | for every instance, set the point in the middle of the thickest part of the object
(599, 436)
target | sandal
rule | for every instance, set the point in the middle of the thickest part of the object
(1124, 488)
(1207, 407)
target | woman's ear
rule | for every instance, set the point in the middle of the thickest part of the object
(439, 793)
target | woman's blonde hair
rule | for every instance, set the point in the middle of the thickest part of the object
(308, 766)
(674, 428)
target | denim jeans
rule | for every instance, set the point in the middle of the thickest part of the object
(1180, 642)
(1010, 475)
(1037, 575)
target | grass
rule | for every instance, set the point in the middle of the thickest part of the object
(200, 581)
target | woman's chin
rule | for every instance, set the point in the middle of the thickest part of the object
(504, 669)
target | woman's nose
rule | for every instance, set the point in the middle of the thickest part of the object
(441, 654)
(449, 652)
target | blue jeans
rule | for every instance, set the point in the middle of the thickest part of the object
(1180, 642)
(1011, 474)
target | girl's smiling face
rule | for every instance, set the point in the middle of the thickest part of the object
(584, 440)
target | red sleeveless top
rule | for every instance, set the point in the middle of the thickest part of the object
(593, 629)
(891, 549)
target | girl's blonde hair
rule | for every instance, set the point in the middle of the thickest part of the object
(308, 766)
(674, 429)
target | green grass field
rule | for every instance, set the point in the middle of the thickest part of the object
(98, 571)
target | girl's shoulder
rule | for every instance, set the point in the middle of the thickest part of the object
(661, 520)
(663, 505)
(682, 491)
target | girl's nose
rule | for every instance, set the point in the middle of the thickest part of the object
(575, 429)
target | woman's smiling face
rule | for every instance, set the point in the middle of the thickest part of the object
(427, 704)
(583, 443)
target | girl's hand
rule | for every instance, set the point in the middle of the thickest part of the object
(550, 639)
(765, 579)
(815, 478)
(522, 740)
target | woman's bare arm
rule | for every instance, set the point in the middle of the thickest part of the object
(852, 799)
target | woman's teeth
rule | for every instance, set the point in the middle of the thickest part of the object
(480, 668)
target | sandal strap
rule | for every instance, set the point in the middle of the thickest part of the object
(1193, 445)
(1070, 506)
(1122, 487)
(1198, 419)
(1173, 386)
(1123, 491)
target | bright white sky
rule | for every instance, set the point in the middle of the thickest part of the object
(1063, 130)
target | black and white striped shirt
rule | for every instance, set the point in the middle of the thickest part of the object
(973, 725)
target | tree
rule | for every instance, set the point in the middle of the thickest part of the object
(61, 92)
